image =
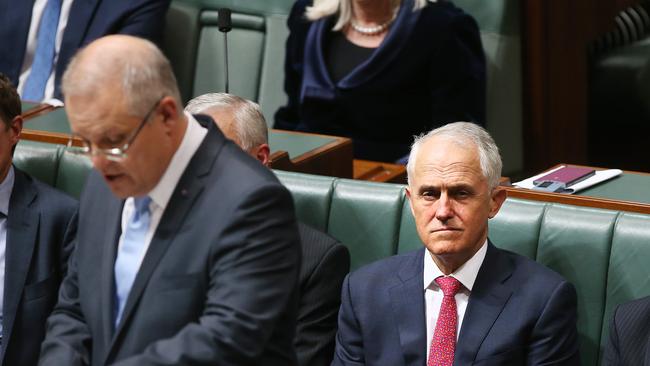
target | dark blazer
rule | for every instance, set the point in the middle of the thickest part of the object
(629, 335)
(87, 21)
(41, 227)
(519, 313)
(217, 286)
(325, 263)
(428, 71)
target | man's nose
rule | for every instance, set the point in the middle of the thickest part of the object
(445, 210)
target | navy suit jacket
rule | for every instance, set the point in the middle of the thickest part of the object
(519, 313)
(428, 71)
(87, 21)
(325, 263)
(41, 226)
(629, 335)
(217, 286)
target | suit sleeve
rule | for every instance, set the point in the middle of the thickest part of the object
(146, 20)
(457, 78)
(253, 282)
(68, 242)
(68, 339)
(554, 339)
(349, 340)
(612, 351)
(320, 300)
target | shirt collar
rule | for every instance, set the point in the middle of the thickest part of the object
(466, 274)
(6, 187)
(194, 135)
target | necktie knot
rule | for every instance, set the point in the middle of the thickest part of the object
(141, 206)
(449, 285)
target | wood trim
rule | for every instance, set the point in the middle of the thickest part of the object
(37, 110)
(376, 171)
(49, 137)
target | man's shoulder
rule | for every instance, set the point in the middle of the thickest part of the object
(390, 270)
(526, 270)
(316, 240)
(47, 196)
(638, 309)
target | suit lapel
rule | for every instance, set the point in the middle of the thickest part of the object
(109, 250)
(185, 195)
(487, 300)
(22, 227)
(407, 300)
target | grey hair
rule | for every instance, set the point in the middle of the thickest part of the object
(250, 125)
(463, 133)
(145, 76)
(325, 8)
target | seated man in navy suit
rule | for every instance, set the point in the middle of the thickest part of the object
(43, 35)
(37, 228)
(460, 300)
(629, 335)
(325, 261)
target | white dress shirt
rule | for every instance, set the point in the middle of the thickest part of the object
(465, 274)
(162, 192)
(30, 49)
(6, 187)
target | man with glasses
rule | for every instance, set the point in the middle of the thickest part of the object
(188, 250)
(37, 228)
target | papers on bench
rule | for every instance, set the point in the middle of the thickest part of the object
(600, 176)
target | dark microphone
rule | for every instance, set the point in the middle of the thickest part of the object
(224, 24)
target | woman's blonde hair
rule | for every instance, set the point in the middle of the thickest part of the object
(325, 8)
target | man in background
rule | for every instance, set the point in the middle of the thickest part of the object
(39, 37)
(629, 334)
(459, 300)
(37, 228)
(325, 261)
(188, 250)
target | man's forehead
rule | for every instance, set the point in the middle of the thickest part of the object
(441, 158)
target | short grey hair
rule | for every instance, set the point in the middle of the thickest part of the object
(464, 133)
(325, 8)
(250, 125)
(145, 76)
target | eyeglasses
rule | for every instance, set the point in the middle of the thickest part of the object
(113, 153)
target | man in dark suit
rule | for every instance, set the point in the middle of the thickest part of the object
(86, 21)
(629, 335)
(187, 251)
(37, 228)
(325, 261)
(460, 300)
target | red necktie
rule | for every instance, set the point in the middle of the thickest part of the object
(443, 344)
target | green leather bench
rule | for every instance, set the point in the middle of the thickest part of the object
(603, 253)
(257, 45)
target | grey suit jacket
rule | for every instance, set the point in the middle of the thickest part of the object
(217, 286)
(325, 263)
(41, 227)
(629, 335)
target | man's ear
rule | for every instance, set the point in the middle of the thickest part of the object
(15, 128)
(409, 195)
(499, 196)
(169, 110)
(263, 153)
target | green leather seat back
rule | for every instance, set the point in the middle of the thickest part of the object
(499, 22)
(516, 227)
(409, 239)
(312, 196)
(256, 47)
(575, 242)
(629, 264)
(366, 216)
(40, 160)
(72, 173)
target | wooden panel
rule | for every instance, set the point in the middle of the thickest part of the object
(376, 171)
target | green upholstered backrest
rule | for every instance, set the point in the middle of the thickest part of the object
(256, 47)
(499, 22)
(51, 164)
(603, 253)
(312, 196)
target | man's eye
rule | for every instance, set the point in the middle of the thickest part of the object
(430, 195)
